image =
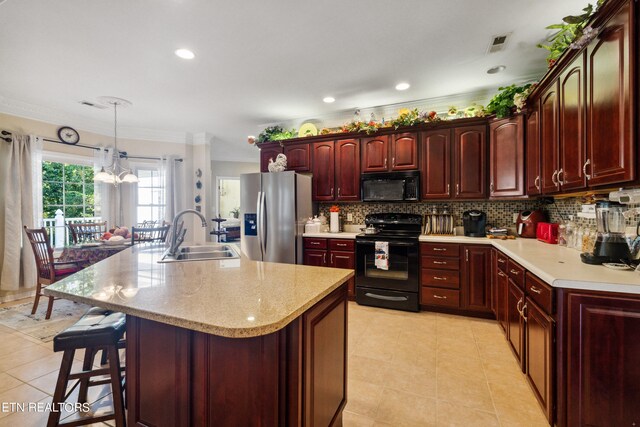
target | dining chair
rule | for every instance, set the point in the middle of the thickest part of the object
(49, 271)
(150, 234)
(82, 232)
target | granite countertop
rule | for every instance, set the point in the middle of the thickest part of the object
(231, 298)
(558, 266)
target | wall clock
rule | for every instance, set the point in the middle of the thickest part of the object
(68, 135)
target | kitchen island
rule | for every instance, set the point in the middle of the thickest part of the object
(227, 342)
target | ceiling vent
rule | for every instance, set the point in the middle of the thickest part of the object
(94, 105)
(499, 43)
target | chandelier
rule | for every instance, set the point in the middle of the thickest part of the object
(115, 173)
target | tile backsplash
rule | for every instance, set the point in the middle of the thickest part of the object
(499, 213)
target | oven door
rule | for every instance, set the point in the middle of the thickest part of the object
(402, 274)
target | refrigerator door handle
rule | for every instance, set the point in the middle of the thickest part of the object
(262, 227)
(259, 220)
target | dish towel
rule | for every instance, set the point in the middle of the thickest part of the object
(382, 255)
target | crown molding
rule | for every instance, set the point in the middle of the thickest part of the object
(45, 114)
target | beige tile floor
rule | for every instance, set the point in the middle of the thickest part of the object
(429, 369)
(405, 369)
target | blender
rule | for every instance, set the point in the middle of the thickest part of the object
(611, 244)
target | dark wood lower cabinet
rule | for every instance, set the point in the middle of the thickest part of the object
(515, 323)
(599, 339)
(540, 356)
(476, 273)
(296, 376)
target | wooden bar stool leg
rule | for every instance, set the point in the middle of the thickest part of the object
(49, 309)
(37, 299)
(61, 387)
(87, 365)
(116, 385)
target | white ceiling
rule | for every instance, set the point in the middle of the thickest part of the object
(257, 62)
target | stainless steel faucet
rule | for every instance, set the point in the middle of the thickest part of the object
(178, 231)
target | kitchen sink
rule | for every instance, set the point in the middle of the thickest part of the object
(202, 253)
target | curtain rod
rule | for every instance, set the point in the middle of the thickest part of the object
(123, 154)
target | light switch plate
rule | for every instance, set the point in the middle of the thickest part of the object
(349, 217)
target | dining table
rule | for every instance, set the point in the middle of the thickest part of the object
(90, 253)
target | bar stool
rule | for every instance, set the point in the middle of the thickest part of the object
(98, 329)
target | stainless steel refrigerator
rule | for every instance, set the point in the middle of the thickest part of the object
(274, 208)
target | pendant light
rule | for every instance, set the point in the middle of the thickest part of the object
(115, 173)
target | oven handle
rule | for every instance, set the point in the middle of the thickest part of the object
(386, 298)
(390, 243)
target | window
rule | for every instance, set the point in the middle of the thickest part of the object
(68, 187)
(150, 196)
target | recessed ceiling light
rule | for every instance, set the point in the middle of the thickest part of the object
(403, 86)
(185, 54)
(496, 69)
(329, 99)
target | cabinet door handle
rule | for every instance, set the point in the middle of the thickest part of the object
(523, 313)
(439, 278)
(385, 162)
(338, 192)
(535, 290)
(584, 169)
(331, 192)
(393, 162)
(331, 259)
(501, 261)
(520, 301)
(440, 262)
(514, 272)
(553, 178)
(491, 187)
(449, 189)
(324, 258)
(467, 253)
(560, 180)
(501, 274)
(457, 189)
(439, 249)
(439, 296)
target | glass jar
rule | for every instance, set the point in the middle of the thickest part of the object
(562, 234)
(577, 242)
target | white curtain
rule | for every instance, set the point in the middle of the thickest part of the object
(20, 205)
(174, 186)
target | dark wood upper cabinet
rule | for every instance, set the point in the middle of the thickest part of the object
(476, 272)
(470, 160)
(298, 156)
(404, 151)
(436, 164)
(506, 157)
(347, 173)
(549, 132)
(267, 152)
(323, 181)
(572, 126)
(611, 112)
(375, 154)
(533, 150)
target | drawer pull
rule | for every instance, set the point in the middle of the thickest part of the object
(501, 274)
(516, 272)
(341, 244)
(315, 243)
(439, 278)
(535, 290)
(501, 260)
(440, 262)
(386, 298)
(440, 249)
(439, 296)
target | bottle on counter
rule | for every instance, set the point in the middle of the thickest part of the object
(562, 234)
(578, 238)
(323, 223)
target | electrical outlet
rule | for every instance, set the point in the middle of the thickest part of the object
(515, 218)
(349, 217)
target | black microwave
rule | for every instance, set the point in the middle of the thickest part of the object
(390, 186)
